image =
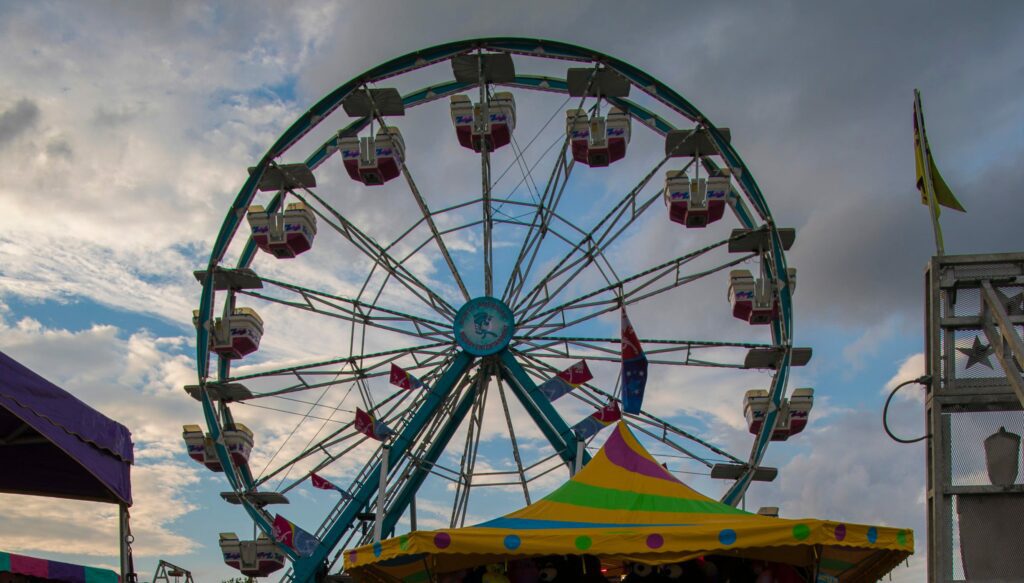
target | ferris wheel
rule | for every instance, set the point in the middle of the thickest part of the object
(492, 245)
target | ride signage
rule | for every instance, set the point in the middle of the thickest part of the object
(484, 326)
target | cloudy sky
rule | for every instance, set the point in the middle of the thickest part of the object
(126, 129)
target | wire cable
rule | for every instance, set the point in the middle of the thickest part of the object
(921, 380)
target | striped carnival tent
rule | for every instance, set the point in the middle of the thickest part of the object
(624, 507)
(19, 568)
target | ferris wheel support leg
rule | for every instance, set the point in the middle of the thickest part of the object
(415, 480)
(306, 567)
(555, 429)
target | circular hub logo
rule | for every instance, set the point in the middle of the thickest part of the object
(484, 326)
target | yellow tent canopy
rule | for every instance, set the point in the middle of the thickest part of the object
(625, 507)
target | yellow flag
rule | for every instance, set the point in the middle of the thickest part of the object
(943, 195)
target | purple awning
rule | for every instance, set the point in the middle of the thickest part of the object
(52, 444)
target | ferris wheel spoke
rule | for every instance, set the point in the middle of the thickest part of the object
(520, 157)
(356, 311)
(553, 215)
(307, 451)
(373, 250)
(396, 415)
(658, 351)
(397, 418)
(543, 368)
(593, 244)
(352, 368)
(512, 439)
(428, 217)
(546, 206)
(471, 448)
(624, 292)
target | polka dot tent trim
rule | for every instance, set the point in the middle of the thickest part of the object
(655, 541)
(801, 531)
(901, 538)
(840, 532)
(403, 542)
(872, 535)
(376, 549)
(442, 540)
(512, 542)
(352, 556)
(727, 537)
(583, 542)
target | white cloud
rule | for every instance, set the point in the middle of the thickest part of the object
(913, 367)
(161, 496)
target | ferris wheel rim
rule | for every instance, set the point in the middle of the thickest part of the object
(781, 330)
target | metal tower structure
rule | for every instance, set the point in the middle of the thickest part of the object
(974, 314)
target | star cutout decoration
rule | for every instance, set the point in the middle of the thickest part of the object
(978, 353)
(1014, 306)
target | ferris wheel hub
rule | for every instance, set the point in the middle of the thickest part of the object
(484, 326)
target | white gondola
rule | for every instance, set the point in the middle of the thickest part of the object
(755, 406)
(743, 296)
(597, 141)
(753, 300)
(283, 234)
(237, 337)
(238, 441)
(695, 202)
(373, 161)
(717, 195)
(793, 414)
(498, 121)
(200, 447)
(800, 404)
(254, 558)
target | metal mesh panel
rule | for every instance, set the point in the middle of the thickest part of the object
(966, 301)
(987, 535)
(967, 433)
(972, 363)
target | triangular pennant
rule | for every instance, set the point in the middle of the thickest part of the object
(604, 417)
(634, 368)
(566, 380)
(369, 426)
(293, 537)
(403, 379)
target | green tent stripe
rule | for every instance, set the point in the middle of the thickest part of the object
(5, 562)
(94, 575)
(578, 494)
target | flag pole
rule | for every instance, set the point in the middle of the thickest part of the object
(378, 523)
(929, 188)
